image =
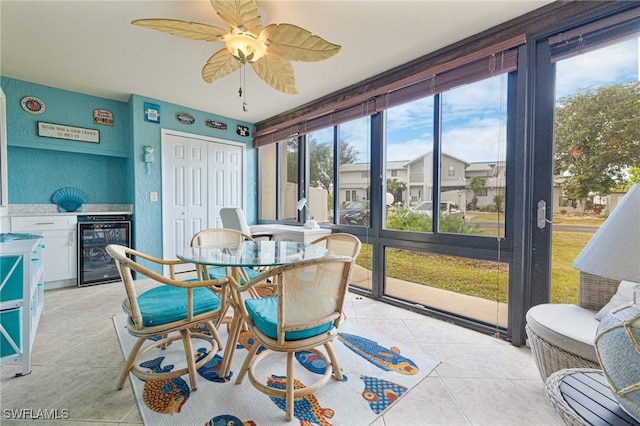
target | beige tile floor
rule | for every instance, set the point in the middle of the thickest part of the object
(76, 361)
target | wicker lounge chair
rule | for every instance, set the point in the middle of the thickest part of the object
(561, 335)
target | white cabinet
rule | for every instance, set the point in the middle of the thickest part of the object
(21, 299)
(60, 242)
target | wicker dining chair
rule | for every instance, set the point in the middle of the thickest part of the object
(302, 316)
(217, 236)
(340, 244)
(172, 311)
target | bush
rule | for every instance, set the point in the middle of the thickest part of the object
(457, 225)
(406, 220)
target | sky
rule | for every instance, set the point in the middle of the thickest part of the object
(473, 120)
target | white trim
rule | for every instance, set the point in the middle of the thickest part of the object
(4, 178)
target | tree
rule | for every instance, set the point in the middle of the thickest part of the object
(396, 187)
(597, 138)
(320, 161)
(476, 185)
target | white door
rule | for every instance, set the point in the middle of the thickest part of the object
(194, 180)
(225, 180)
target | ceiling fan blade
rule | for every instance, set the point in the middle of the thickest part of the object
(296, 44)
(277, 73)
(241, 14)
(219, 64)
(190, 30)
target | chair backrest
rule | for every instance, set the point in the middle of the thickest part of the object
(233, 218)
(213, 236)
(304, 304)
(340, 244)
(309, 293)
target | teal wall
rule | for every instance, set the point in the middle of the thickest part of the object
(34, 174)
(37, 166)
(113, 171)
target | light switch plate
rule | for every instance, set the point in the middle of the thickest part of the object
(153, 196)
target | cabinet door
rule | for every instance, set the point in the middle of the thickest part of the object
(11, 332)
(60, 255)
(11, 287)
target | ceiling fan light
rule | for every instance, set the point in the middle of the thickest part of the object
(245, 47)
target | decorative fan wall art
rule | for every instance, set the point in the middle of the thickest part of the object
(268, 50)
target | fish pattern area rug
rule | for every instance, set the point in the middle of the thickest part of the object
(376, 370)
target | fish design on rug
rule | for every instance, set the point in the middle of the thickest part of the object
(314, 363)
(228, 420)
(166, 396)
(211, 370)
(380, 394)
(307, 409)
(388, 359)
(246, 340)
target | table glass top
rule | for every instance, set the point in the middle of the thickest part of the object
(252, 253)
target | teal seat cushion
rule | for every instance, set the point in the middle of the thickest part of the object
(165, 304)
(263, 313)
(217, 273)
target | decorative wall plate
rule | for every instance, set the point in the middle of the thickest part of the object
(32, 105)
(69, 199)
(185, 118)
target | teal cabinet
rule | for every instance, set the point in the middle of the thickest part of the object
(21, 299)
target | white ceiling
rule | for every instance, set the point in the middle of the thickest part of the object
(91, 47)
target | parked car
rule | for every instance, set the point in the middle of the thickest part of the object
(446, 208)
(355, 213)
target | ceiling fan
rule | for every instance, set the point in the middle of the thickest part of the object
(268, 50)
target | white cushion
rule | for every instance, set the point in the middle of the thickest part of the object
(623, 297)
(566, 326)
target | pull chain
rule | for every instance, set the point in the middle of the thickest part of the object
(244, 83)
(241, 92)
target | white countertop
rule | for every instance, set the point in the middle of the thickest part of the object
(52, 209)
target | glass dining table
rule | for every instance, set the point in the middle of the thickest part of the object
(239, 257)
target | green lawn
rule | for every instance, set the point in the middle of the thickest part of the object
(484, 279)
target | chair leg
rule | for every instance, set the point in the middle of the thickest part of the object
(334, 361)
(247, 362)
(191, 361)
(214, 333)
(290, 387)
(130, 360)
(232, 340)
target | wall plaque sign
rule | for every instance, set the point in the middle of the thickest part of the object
(215, 124)
(102, 116)
(61, 131)
(151, 112)
(242, 130)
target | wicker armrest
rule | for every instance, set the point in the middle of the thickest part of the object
(595, 291)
